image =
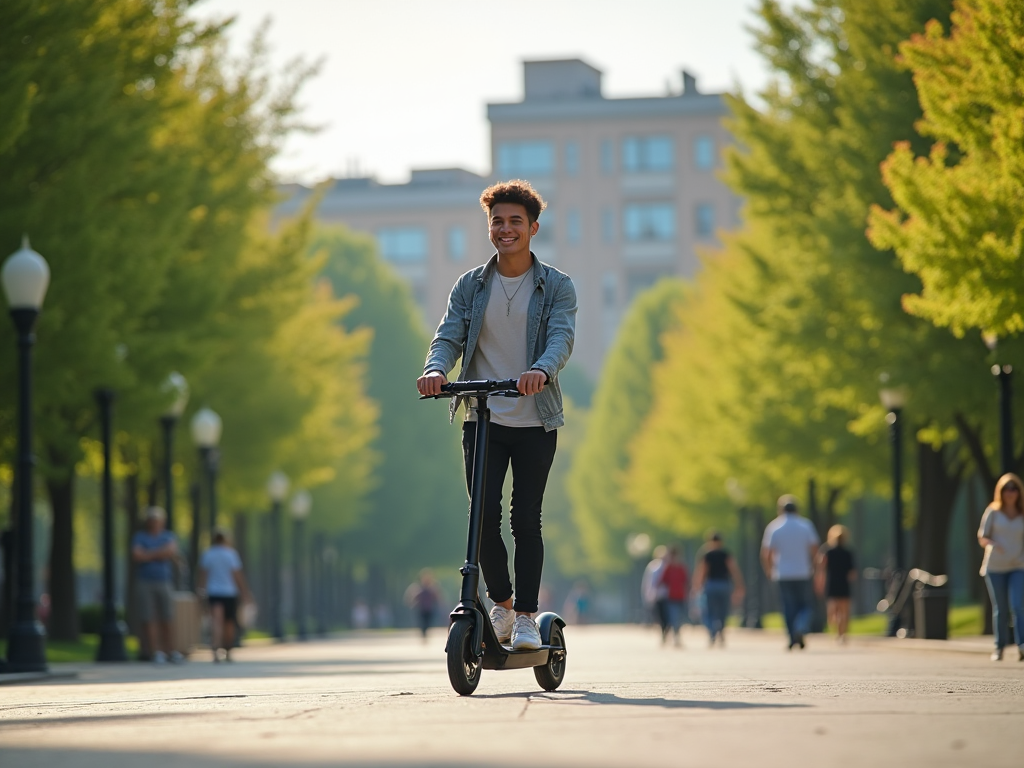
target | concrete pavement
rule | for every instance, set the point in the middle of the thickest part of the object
(382, 699)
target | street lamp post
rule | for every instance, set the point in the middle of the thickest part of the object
(177, 388)
(1005, 375)
(112, 631)
(893, 399)
(277, 489)
(302, 502)
(25, 276)
(206, 429)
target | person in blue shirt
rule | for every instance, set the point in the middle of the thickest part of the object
(153, 550)
(222, 582)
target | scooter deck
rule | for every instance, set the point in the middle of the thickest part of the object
(509, 659)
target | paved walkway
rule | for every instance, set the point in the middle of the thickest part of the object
(384, 700)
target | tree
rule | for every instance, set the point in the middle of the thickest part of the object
(141, 166)
(813, 313)
(958, 223)
(624, 396)
(415, 514)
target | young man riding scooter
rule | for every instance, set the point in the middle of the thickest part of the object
(511, 318)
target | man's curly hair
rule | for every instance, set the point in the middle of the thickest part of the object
(515, 191)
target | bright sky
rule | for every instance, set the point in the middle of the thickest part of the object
(405, 83)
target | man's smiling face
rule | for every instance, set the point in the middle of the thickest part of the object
(511, 228)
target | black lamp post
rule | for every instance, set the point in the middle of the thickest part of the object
(277, 489)
(177, 388)
(112, 631)
(206, 430)
(893, 399)
(1005, 375)
(25, 276)
(302, 502)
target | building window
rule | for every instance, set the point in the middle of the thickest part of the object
(403, 245)
(572, 158)
(649, 221)
(608, 225)
(546, 233)
(704, 153)
(607, 157)
(573, 227)
(639, 280)
(705, 215)
(610, 289)
(456, 243)
(647, 154)
(526, 158)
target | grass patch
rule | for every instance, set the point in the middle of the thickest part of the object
(964, 621)
(84, 650)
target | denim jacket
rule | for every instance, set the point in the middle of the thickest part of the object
(550, 330)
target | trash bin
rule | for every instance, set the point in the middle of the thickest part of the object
(931, 612)
(186, 622)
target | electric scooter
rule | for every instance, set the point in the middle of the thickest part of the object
(472, 645)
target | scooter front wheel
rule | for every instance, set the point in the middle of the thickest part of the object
(463, 665)
(550, 676)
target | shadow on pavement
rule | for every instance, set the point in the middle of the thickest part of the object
(84, 758)
(593, 697)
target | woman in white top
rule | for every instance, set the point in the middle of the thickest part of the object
(221, 580)
(1002, 535)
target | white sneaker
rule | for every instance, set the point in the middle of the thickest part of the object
(159, 657)
(502, 619)
(525, 635)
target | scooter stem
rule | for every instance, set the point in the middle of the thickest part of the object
(471, 569)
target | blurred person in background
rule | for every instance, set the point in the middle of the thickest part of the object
(153, 551)
(222, 582)
(423, 597)
(835, 572)
(788, 549)
(717, 581)
(1001, 533)
(653, 592)
(675, 578)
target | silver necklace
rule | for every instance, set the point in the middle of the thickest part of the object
(508, 305)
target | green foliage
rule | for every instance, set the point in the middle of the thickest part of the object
(959, 220)
(135, 153)
(771, 374)
(622, 400)
(416, 513)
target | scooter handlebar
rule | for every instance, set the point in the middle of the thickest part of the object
(489, 387)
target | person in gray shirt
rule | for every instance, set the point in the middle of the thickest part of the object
(788, 549)
(511, 318)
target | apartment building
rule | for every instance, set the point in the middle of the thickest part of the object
(631, 185)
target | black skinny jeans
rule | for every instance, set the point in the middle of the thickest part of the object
(530, 451)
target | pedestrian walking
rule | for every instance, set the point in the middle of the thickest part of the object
(153, 551)
(423, 597)
(1002, 535)
(654, 593)
(788, 549)
(675, 579)
(222, 583)
(511, 318)
(718, 583)
(834, 574)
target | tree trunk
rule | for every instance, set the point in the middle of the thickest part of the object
(938, 482)
(63, 598)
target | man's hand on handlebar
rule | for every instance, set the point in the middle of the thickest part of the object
(429, 384)
(532, 382)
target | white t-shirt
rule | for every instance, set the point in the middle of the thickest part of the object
(790, 537)
(501, 349)
(220, 563)
(1009, 535)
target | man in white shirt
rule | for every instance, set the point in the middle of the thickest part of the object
(788, 549)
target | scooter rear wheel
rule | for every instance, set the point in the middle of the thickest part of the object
(463, 665)
(550, 676)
